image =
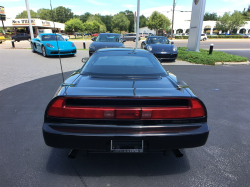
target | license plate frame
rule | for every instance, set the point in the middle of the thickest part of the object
(125, 146)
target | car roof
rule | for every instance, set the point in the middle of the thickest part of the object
(156, 37)
(49, 34)
(123, 50)
(109, 33)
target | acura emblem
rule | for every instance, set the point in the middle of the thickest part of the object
(196, 2)
(162, 49)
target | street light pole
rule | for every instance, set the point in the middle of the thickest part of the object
(29, 18)
(172, 20)
(137, 26)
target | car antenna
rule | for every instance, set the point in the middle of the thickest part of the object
(57, 41)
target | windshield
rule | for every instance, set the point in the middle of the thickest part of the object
(158, 40)
(52, 38)
(123, 64)
(108, 38)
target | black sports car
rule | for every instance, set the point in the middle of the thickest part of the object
(160, 46)
(105, 40)
(123, 101)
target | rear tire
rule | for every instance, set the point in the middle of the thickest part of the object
(134, 40)
(44, 51)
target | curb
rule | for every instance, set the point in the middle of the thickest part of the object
(231, 63)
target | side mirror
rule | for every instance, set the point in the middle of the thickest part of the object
(93, 39)
(66, 39)
(85, 59)
(172, 43)
(124, 40)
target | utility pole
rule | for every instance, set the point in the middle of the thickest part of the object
(172, 20)
(137, 26)
(30, 24)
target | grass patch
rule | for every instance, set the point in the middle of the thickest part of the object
(204, 58)
(83, 49)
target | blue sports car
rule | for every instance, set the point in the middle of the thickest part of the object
(47, 45)
(161, 47)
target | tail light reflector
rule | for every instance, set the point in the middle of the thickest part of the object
(59, 109)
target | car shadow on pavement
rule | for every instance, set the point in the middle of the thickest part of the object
(100, 164)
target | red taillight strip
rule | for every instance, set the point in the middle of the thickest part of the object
(58, 109)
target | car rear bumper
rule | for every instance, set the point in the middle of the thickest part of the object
(74, 136)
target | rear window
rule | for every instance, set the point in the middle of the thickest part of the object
(123, 64)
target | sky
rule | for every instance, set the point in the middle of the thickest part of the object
(107, 7)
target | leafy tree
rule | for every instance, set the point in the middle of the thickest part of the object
(44, 14)
(246, 14)
(74, 25)
(84, 17)
(158, 21)
(62, 14)
(131, 17)
(230, 22)
(107, 21)
(223, 22)
(24, 14)
(97, 18)
(236, 20)
(143, 21)
(120, 22)
(92, 26)
(210, 16)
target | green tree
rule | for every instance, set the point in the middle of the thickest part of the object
(158, 21)
(24, 14)
(44, 14)
(97, 18)
(84, 17)
(210, 16)
(120, 22)
(91, 26)
(107, 20)
(230, 22)
(223, 23)
(143, 21)
(62, 14)
(131, 17)
(74, 25)
(236, 20)
(246, 14)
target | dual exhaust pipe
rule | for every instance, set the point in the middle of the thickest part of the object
(73, 153)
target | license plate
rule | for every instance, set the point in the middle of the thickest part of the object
(126, 146)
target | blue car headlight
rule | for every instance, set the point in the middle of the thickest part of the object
(149, 48)
(49, 45)
(73, 45)
(174, 48)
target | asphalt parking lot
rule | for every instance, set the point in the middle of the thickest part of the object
(27, 83)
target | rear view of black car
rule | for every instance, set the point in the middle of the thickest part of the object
(106, 40)
(123, 101)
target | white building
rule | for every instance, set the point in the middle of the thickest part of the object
(182, 24)
(17, 25)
